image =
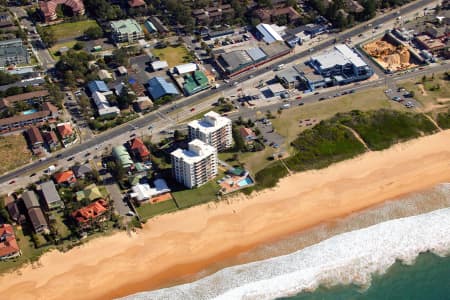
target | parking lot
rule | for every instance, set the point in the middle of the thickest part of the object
(270, 137)
(402, 96)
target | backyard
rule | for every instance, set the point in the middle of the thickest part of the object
(173, 55)
(14, 152)
(186, 198)
(147, 210)
(68, 30)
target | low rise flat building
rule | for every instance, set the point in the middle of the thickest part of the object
(104, 108)
(196, 165)
(29, 98)
(213, 129)
(26, 120)
(126, 31)
(13, 52)
(158, 87)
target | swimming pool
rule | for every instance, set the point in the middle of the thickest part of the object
(29, 112)
(244, 182)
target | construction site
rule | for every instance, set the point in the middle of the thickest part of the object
(391, 54)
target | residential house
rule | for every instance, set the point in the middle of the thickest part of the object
(6, 20)
(66, 133)
(8, 243)
(143, 103)
(38, 220)
(247, 134)
(94, 212)
(14, 212)
(122, 157)
(91, 193)
(51, 196)
(50, 139)
(266, 15)
(143, 192)
(104, 108)
(139, 150)
(82, 171)
(35, 138)
(136, 3)
(30, 200)
(65, 177)
(99, 86)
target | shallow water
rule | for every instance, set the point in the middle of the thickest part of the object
(346, 258)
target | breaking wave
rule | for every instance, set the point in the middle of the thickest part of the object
(351, 257)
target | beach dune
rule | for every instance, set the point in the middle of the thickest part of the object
(183, 243)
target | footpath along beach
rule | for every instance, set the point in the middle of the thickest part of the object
(184, 243)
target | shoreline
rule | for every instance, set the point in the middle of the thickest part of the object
(184, 243)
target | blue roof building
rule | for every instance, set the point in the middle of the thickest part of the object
(159, 87)
(98, 86)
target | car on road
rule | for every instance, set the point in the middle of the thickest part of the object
(316, 93)
(298, 97)
(71, 158)
(59, 156)
(12, 182)
(192, 109)
(301, 103)
(87, 154)
(133, 135)
(32, 174)
(322, 98)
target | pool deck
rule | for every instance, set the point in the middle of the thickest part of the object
(231, 185)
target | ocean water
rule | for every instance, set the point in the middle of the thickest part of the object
(428, 278)
(369, 255)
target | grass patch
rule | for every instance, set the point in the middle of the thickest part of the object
(173, 55)
(63, 230)
(383, 128)
(14, 152)
(72, 29)
(324, 144)
(443, 119)
(428, 95)
(207, 192)
(288, 123)
(54, 50)
(148, 210)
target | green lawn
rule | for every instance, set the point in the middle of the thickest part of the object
(253, 161)
(148, 210)
(287, 124)
(205, 193)
(72, 29)
(63, 230)
(173, 55)
(425, 93)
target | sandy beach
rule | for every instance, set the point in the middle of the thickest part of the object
(183, 243)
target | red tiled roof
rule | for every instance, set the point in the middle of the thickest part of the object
(66, 176)
(50, 137)
(136, 3)
(34, 135)
(246, 132)
(92, 211)
(50, 107)
(23, 118)
(25, 96)
(139, 146)
(65, 130)
(49, 7)
(8, 243)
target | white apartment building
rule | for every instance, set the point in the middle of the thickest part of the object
(213, 129)
(196, 165)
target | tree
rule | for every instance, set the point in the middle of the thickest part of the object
(78, 46)
(94, 32)
(125, 98)
(47, 36)
(6, 78)
(120, 56)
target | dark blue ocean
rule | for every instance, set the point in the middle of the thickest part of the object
(428, 278)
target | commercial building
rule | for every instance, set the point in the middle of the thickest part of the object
(51, 196)
(126, 31)
(185, 68)
(194, 83)
(13, 52)
(212, 129)
(427, 43)
(341, 65)
(196, 165)
(268, 34)
(159, 87)
(159, 65)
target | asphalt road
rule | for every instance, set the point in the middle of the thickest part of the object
(190, 102)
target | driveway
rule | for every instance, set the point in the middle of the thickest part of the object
(115, 194)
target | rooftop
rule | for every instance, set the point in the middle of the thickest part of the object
(128, 26)
(90, 212)
(65, 176)
(269, 35)
(8, 242)
(64, 129)
(98, 86)
(158, 87)
(34, 135)
(196, 152)
(340, 55)
(211, 122)
(49, 192)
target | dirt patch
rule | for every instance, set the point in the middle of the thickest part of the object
(442, 100)
(422, 89)
(14, 152)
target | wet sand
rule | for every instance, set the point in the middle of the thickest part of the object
(176, 245)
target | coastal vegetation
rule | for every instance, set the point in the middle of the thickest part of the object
(443, 119)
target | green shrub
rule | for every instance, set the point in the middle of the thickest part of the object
(269, 176)
(443, 119)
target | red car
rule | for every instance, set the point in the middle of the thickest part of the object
(12, 181)
(193, 109)
(298, 97)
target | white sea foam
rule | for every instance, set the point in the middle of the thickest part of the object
(350, 257)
